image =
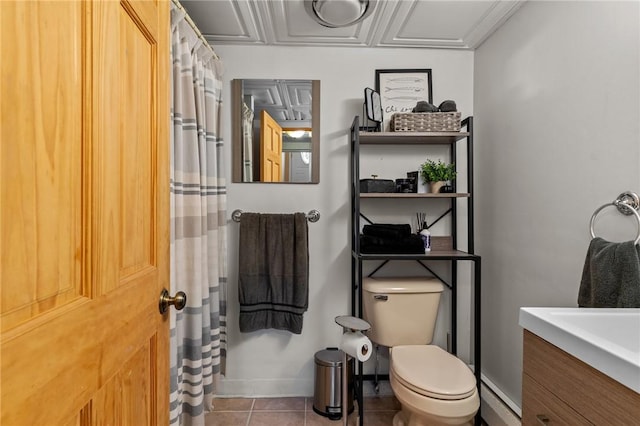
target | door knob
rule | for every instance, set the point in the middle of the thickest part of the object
(179, 300)
(542, 419)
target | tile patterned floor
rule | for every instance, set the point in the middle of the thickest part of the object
(378, 411)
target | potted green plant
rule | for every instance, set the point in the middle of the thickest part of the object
(435, 174)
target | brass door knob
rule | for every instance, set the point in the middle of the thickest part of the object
(542, 419)
(179, 301)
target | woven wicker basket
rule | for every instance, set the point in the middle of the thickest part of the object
(426, 122)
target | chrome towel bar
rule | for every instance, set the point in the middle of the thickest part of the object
(312, 216)
(627, 203)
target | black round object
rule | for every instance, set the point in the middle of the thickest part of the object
(448, 106)
(424, 106)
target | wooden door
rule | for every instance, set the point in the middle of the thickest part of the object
(84, 212)
(270, 149)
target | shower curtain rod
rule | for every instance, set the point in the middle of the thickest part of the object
(195, 28)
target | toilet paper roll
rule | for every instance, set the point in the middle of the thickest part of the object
(356, 345)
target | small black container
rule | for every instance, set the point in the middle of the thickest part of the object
(407, 185)
(416, 178)
(377, 185)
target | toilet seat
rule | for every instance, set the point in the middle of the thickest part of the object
(432, 372)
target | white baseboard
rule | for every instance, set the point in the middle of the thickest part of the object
(497, 408)
(274, 388)
(264, 388)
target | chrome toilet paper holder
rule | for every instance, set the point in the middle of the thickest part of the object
(349, 324)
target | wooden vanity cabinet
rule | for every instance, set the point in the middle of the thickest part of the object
(559, 389)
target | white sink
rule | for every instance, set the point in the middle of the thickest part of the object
(606, 339)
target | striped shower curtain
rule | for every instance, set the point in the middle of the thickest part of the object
(198, 226)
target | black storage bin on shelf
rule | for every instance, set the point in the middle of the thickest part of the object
(327, 399)
(377, 185)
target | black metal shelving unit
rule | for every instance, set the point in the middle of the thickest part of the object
(453, 255)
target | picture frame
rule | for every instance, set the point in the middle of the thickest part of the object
(401, 89)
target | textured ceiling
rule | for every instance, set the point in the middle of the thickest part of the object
(394, 23)
(287, 101)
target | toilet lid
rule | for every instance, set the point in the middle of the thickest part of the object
(431, 371)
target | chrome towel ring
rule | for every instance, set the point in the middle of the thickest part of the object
(627, 203)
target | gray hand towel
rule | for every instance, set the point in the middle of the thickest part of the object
(273, 271)
(611, 275)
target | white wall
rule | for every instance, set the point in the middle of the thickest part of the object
(278, 363)
(556, 99)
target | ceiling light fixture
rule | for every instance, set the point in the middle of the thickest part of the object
(295, 133)
(339, 13)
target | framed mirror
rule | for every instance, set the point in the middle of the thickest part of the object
(276, 130)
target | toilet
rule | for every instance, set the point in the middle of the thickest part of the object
(433, 386)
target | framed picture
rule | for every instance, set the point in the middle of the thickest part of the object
(400, 90)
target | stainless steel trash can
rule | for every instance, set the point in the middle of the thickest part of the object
(327, 399)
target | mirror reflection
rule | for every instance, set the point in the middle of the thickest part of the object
(276, 136)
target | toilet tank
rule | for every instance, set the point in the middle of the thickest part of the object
(401, 311)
